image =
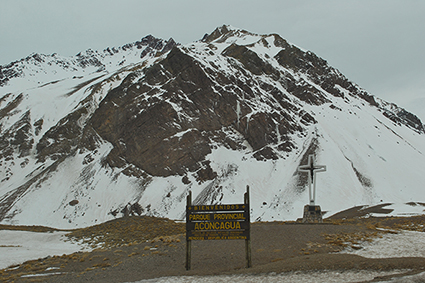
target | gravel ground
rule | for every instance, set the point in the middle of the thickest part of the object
(140, 248)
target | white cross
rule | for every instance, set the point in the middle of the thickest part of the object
(311, 169)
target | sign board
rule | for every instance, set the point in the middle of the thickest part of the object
(218, 222)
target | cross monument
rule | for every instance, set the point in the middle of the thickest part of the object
(312, 212)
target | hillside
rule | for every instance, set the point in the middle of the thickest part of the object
(131, 130)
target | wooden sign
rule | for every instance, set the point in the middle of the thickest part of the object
(218, 222)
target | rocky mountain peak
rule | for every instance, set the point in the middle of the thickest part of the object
(221, 34)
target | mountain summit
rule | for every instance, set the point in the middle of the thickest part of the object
(131, 130)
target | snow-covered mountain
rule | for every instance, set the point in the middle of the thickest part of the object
(133, 129)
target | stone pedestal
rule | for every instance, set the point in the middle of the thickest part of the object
(312, 214)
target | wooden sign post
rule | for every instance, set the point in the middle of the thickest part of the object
(218, 222)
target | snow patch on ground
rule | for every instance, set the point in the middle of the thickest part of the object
(288, 277)
(418, 278)
(403, 209)
(403, 244)
(17, 247)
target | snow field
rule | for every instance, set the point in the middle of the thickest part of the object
(17, 247)
(290, 277)
(403, 244)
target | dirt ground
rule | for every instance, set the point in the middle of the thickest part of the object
(136, 248)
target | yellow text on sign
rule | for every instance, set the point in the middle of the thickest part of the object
(217, 225)
(218, 207)
(229, 216)
(200, 217)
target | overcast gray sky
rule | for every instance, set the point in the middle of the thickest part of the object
(378, 44)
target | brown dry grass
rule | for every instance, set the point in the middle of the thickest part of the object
(128, 231)
(29, 228)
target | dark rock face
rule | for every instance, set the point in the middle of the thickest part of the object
(142, 127)
(17, 139)
(154, 45)
(401, 116)
(321, 73)
(166, 120)
(60, 140)
(6, 73)
(250, 60)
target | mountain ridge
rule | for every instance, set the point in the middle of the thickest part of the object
(84, 59)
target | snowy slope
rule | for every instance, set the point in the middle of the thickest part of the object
(270, 104)
(48, 88)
